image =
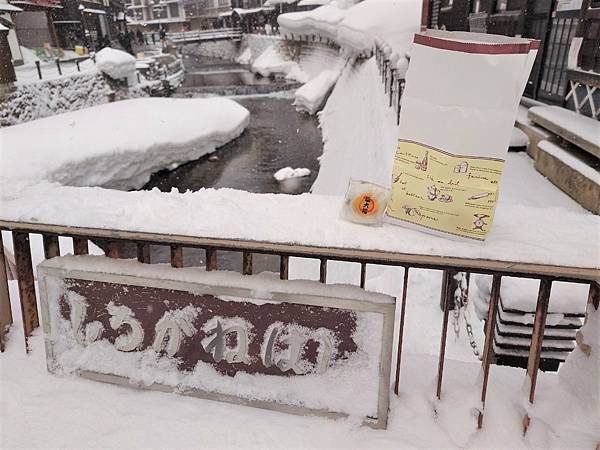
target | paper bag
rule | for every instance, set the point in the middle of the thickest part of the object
(458, 110)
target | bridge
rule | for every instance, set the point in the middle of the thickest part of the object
(234, 34)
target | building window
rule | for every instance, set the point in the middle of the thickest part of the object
(446, 4)
(174, 9)
(475, 6)
(508, 5)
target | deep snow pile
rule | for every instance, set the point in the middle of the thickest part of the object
(272, 62)
(322, 21)
(131, 139)
(117, 64)
(356, 27)
(580, 374)
(312, 95)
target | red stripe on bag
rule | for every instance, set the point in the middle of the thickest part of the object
(474, 47)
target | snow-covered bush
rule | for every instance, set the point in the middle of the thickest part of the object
(117, 64)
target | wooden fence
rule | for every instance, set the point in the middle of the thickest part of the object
(113, 239)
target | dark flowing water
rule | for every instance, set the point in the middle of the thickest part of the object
(276, 137)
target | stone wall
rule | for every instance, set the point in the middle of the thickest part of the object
(231, 50)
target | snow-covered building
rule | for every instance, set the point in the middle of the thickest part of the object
(34, 25)
(153, 15)
(7, 19)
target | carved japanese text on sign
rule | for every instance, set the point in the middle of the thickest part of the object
(234, 335)
(243, 339)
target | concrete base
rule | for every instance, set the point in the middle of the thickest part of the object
(535, 135)
(583, 190)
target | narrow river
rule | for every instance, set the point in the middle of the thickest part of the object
(277, 136)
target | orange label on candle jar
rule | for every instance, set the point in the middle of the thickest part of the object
(365, 204)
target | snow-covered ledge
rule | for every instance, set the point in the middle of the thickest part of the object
(64, 178)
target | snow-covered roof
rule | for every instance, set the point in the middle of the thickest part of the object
(313, 2)
(94, 11)
(7, 7)
(277, 2)
(242, 11)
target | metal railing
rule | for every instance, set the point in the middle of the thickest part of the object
(59, 66)
(393, 81)
(205, 35)
(113, 239)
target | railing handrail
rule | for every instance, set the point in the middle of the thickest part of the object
(436, 262)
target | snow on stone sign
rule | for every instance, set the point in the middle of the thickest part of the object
(296, 346)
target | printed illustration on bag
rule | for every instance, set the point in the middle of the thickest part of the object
(454, 194)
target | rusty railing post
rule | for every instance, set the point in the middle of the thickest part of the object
(26, 284)
(51, 246)
(283, 267)
(39, 69)
(143, 253)
(112, 249)
(80, 246)
(446, 296)
(247, 263)
(6, 318)
(323, 270)
(401, 330)
(490, 326)
(363, 274)
(537, 337)
(211, 259)
(176, 256)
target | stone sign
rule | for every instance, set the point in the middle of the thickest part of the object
(242, 339)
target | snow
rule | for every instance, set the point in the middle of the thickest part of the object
(161, 132)
(64, 412)
(245, 57)
(115, 63)
(271, 62)
(29, 56)
(313, 2)
(350, 386)
(518, 138)
(313, 94)
(263, 284)
(356, 27)
(580, 374)
(570, 160)
(586, 128)
(27, 73)
(288, 172)
(322, 21)
(393, 21)
(521, 294)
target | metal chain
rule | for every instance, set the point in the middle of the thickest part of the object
(460, 304)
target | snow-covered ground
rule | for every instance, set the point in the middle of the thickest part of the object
(27, 72)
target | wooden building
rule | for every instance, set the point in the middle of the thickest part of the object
(567, 68)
